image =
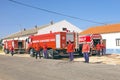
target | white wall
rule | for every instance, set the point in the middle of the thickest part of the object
(58, 27)
(23, 38)
(111, 42)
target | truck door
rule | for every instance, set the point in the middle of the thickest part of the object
(13, 44)
(57, 40)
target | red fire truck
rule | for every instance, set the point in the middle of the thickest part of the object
(18, 46)
(92, 39)
(56, 42)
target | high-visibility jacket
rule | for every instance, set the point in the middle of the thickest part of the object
(98, 47)
(102, 46)
(44, 47)
(85, 48)
(70, 47)
(37, 47)
(11, 48)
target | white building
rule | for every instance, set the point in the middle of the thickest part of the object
(59, 26)
(112, 42)
(110, 35)
(54, 27)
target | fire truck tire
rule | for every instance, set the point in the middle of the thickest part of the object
(6, 51)
(31, 52)
(50, 54)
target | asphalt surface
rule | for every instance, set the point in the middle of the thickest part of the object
(26, 68)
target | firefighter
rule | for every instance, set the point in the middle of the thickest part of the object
(45, 50)
(98, 49)
(70, 50)
(85, 51)
(37, 48)
(103, 49)
(12, 50)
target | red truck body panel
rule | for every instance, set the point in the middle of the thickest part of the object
(89, 38)
(56, 40)
(16, 44)
(92, 40)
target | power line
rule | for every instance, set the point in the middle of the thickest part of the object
(49, 11)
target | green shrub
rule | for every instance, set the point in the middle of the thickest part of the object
(0, 48)
(0, 44)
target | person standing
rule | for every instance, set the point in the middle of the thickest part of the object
(12, 50)
(85, 51)
(37, 48)
(70, 50)
(45, 50)
(103, 49)
(98, 48)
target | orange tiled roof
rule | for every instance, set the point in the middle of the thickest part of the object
(102, 29)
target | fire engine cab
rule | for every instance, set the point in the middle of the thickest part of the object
(56, 42)
(18, 46)
(92, 40)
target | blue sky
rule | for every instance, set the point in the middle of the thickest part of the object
(15, 17)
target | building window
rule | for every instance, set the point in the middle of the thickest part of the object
(117, 42)
(64, 29)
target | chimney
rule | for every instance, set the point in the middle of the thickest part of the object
(51, 22)
(24, 29)
(35, 26)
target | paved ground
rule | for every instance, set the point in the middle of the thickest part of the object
(26, 68)
(17, 55)
(112, 59)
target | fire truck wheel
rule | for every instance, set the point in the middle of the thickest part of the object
(6, 51)
(31, 51)
(51, 54)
